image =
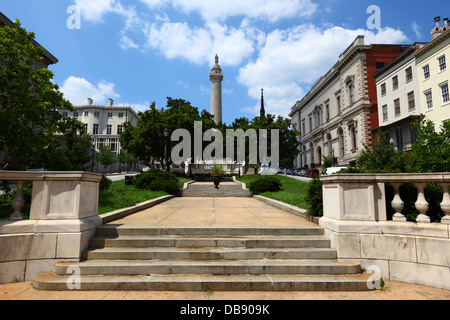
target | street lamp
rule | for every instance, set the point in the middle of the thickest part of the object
(166, 136)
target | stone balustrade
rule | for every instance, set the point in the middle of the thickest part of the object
(355, 219)
(370, 188)
(63, 217)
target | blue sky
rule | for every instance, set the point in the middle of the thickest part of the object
(141, 51)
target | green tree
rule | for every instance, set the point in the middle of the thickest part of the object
(34, 133)
(146, 140)
(383, 157)
(431, 151)
(105, 156)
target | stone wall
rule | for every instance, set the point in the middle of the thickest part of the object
(63, 217)
(355, 221)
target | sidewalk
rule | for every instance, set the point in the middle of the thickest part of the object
(220, 212)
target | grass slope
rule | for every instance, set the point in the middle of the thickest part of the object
(293, 191)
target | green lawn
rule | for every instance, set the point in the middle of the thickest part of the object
(293, 191)
(118, 196)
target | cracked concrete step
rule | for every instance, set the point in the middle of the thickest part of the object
(207, 283)
(195, 242)
(207, 253)
(222, 267)
(114, 230)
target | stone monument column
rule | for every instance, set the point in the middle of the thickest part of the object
(216, 77)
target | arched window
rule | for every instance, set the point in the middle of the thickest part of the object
(341, 143)
(330, 145)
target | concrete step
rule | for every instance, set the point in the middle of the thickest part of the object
(218, 193)
(214, 267)
(212, 242)
(207, 254)
(148, 231)
(207, 189)
(206, 283)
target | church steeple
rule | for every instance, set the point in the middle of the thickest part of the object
(263, 110)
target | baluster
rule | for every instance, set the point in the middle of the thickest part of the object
(445, 204)
(421, 204)
(18, 202)
(397, 203)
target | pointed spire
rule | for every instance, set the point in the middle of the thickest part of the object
(263, 110)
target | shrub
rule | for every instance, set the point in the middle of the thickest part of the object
(105, 184)
(157, 180)
(315, 198)
(267, 184)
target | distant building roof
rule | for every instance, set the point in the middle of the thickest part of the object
(49, 58)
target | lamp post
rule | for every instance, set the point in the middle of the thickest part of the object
(166, 135)
(93, 155)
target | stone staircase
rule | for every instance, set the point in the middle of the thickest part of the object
(206, 189)
(135, 258)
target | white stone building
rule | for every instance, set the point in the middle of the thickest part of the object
(337, 116)
(104, 124)
(398, 95)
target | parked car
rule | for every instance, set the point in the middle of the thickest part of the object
(301, 173)
(333, 170)
(313, 173)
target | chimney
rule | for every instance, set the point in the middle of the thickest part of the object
(436, 32)
(437, 20)
(446, 24)
(111, 102)
(90, 101)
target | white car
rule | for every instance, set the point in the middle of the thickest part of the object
(333, 170)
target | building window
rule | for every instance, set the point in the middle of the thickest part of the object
(120, 129)
(383, 89)
(429, 100)
(85, 128)
(121, 115)
(338, 102)
(351, 92)
(395, 83)
(65, 114)
(397, 107)
(411, 101)
(109, 130)
(95, 128)
(96, 114)
(110, 115)
(341, 143)
(86, 114)
(327, 112)
(426, 72)
(444, 91)
(409, 74)
(75, 114)
(442, 63)
(385, 113)
(353, 136)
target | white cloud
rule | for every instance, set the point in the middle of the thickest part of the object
(199, 45)
(219, 10)
(416, 28)
(295, 58)
(77, 90)
(127, 43)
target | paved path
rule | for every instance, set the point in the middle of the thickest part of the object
(221, 212)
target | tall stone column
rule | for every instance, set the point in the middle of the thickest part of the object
(216, 77)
